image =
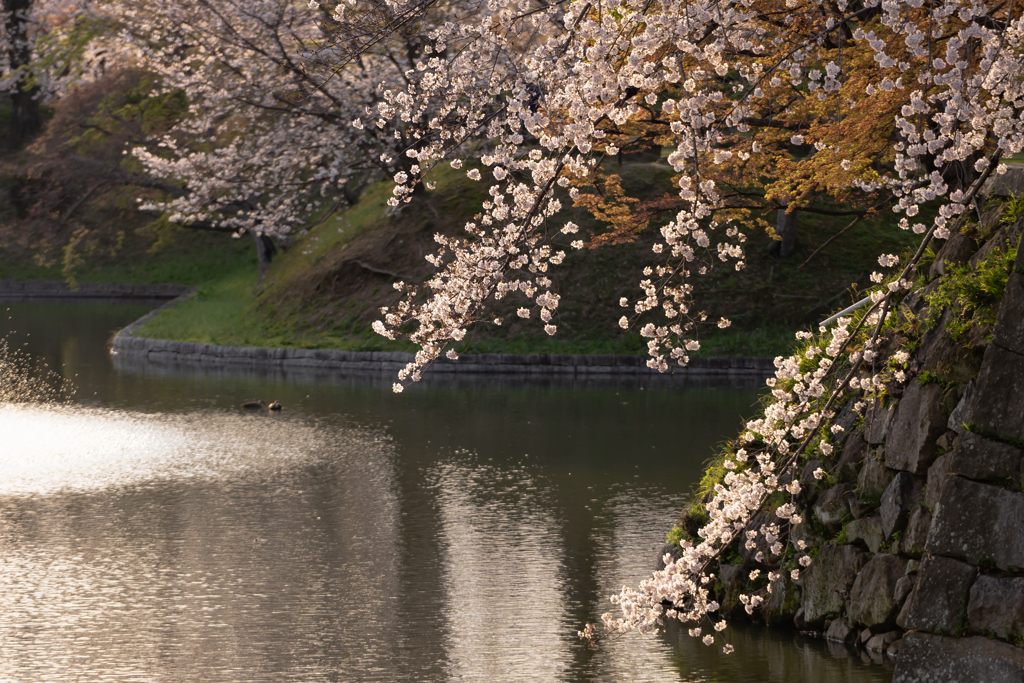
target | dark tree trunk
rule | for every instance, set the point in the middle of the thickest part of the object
(265, 251)
(785, 228)
(26, 115)
(352, 194)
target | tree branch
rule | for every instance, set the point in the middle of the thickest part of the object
(130, 178)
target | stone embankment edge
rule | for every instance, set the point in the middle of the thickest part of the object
(52, 289)
(165, 351)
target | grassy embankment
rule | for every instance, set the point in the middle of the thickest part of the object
(68, 210)
(326, 290)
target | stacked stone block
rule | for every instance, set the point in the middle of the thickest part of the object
(920, 537)
(972, 578)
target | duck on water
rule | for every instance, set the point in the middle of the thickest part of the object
(258, 404)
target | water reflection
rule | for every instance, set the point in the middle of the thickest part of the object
(501, 566)
(625, 553)
(52, 448)
(154, 531)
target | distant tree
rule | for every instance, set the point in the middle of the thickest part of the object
(275, 138)
(46, 46)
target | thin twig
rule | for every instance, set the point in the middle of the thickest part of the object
(379, 271)
(830, 240)
(82, 199)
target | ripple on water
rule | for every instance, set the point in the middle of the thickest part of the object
(193, 547)
(218, 546)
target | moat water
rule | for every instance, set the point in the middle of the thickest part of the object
(153, 530)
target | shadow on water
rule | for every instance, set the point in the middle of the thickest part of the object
(765, 655)
(154, 530)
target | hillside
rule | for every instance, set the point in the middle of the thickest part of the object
(326, 290)
(69, 199)
(69, 210)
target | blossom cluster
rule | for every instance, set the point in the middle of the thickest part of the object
(538, 115)
(724, 84)
(800, 418)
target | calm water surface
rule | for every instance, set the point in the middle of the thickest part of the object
(152, 530)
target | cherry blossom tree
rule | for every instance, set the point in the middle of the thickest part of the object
(274, 138)
(895, 105)
(903, 106)
(873, 105)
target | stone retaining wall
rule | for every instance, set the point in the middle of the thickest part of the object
(972, 578)
(52, 289)
(162, 351)
(918, 535)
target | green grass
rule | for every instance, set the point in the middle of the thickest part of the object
(317, 295)
(221, 312)
(302, 303)
(763, 342)
(193, 257)
(213, 314)
(290, 310)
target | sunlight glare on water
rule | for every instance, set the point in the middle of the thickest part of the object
(200, 546)
(50, 448)
(22, 383)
